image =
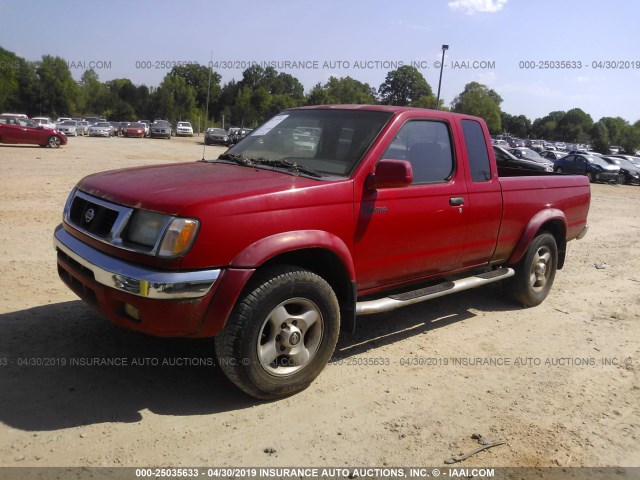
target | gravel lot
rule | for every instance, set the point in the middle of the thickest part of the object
(559, 383)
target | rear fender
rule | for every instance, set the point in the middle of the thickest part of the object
(545, 217)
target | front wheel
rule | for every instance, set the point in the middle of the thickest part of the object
(535, 272)
(590, 177)
(559, 170)
(281, 333)
(54, 141)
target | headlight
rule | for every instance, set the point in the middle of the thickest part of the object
(171, 236)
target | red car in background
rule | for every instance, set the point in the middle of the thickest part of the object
(134, 130)
(22, 130)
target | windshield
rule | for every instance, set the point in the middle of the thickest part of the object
(598, 161)
(328, 141)
(531, 155)
(217, 131)
(102, 124)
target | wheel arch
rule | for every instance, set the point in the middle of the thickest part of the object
(317, 251)
(550, 220)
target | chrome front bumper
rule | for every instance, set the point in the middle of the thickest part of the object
(141, 281)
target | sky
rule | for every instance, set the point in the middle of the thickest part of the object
(591, 48)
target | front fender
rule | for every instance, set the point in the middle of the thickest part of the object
(533, 227)
(266, 248)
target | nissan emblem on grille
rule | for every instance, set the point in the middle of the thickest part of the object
(88, 215)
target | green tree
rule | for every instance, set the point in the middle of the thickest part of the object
(519, 126)
(59, 92)
(344, 90)
(574, 126)
(404, 86)
(546, 126)
(630, 138)
(95, 95)
(478, 100)
(9, 96)
(197, 77)
(616, 127)
(599, 134)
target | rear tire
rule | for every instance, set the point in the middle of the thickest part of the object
(280, 334)
(535, 272)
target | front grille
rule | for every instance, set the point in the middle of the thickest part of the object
(91, 217)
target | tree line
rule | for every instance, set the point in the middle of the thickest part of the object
(48, 88)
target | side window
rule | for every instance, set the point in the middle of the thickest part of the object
(426, 144)
(477, 151)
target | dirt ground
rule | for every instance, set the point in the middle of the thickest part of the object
(559, 383)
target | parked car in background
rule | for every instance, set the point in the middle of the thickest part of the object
(552, 155)
(83, 127)
(516, 142)
(596, 168)
(216, 136)
(44, 121)
(535, 145)
(147, 126)
(93, 120)
(614, 149)
(16, 130)
(160, 129)
(16, 115)
(236, 134)
(184, 129)
(134, 130)
(561, 146)
(506, 159)
(69, 128)
(528, 154)
(123, 125)
(548, 145)
(115, 128)
(500, 143)
(633, 159)
(62, 119)
(101, 129)
(629, 171)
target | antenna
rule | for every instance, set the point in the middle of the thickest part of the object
(206, 120)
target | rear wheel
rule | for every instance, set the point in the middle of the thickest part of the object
(535, 272)
(559, 170)
(281, 333)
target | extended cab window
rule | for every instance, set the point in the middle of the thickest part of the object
(426, 144)
(477, 151)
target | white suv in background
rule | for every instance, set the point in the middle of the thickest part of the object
(44, 121)
(184, 128)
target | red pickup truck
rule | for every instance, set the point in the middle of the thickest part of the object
(319, 215)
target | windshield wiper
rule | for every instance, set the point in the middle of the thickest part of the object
(291, 166)
(236, 158)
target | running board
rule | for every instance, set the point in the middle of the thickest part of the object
(392, 302)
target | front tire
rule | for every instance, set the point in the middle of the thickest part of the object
(281, 333)
(535, 272)
(54, 141)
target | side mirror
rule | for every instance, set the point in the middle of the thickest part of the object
(390, 174)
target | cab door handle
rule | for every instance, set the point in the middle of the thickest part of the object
(456, 201)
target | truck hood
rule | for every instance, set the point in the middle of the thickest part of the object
(176, 187)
